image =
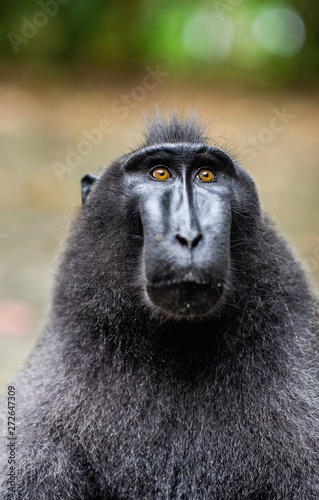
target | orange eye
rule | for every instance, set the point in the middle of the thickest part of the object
(205, 175)
(160, 173)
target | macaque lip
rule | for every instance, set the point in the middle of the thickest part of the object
(184, 298)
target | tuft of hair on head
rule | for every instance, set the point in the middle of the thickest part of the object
(174, 129)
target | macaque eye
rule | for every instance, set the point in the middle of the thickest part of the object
(205, 174)
(160, 173)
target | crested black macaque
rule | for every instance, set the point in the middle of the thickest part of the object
(180, 359)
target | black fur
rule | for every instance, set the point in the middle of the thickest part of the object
(120, 401)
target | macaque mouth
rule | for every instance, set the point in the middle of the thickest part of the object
(185, 297)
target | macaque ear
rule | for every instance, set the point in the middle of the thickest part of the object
(86, 184)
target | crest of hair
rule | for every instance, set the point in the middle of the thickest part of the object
(174, 129)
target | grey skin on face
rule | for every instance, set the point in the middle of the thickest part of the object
(182, 193)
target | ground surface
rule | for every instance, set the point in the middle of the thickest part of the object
(37, 125)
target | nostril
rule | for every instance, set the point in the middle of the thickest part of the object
(196, 241)
(189, 242)
(183, 241)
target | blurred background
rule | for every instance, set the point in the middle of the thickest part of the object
(78, 76)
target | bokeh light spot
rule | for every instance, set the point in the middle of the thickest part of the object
(280, 31)
(16, 318)
(208, 37)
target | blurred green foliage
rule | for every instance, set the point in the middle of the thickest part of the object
(125, 35)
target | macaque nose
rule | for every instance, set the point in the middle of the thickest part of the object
(190, 240)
